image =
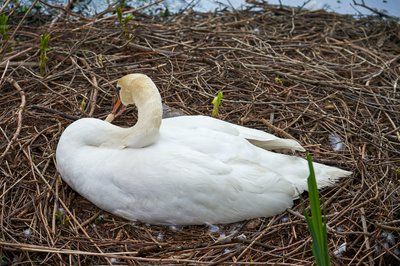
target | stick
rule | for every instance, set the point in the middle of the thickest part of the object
(367, 244)
(277, 129)
(19, 113)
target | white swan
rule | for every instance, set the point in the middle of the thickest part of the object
(182, 170)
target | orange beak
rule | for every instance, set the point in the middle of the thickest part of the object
(118, 108)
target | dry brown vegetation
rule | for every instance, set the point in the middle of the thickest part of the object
(306, 75)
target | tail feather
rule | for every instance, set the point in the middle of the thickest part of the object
(325, 175)
(328, 175)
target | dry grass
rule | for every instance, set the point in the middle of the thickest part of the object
(307, 75)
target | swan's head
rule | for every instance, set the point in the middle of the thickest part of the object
(134, 87)
(137, 89)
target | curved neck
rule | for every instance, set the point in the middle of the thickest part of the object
(145, 132)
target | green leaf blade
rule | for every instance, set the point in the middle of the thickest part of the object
(44, 47)
(317, 224)
(4, 26)
(216, 103)
(118, 9)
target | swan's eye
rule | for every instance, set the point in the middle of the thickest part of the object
(118, 89)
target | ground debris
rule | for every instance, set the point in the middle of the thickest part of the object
(310, 74)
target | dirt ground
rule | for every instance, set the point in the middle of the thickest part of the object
(313, 76)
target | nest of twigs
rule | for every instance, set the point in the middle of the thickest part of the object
(306, 75)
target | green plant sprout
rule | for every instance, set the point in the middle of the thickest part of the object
(61, 218)
(4, 260)
(100, 60)
(118, 9)
(82, 106)
(123, 21)
(397, 171)
(316, 225)
(278, 81)
(216, 103)
(165, 13)
(44, 47)
(4, 27)
(99, 219)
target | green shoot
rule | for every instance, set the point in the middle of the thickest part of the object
(100, 60)
(397, 171)
(61, 217)
(37, 7)
(278, 81)
(44, 47)
(99, 219)
(316, 225)
(119, 14)
(216, 103)
(4, 27)
(123, 21)
(82, 106)
(165, 13)
(4, 260)
(125, 25)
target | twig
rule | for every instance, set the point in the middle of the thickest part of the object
(52, 111)
(6, 43)
(120, 255)
(373, 10)
(23, 52)
(388, 227)
(5, 71)
(277, 129)
(4, 6)
(268, 228)
(303, 5)
(19, 114)
(365, 230)
(124, 13)
(93, 96)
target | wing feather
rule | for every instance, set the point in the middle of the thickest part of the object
(256, 137)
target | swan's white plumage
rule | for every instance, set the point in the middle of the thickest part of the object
(198, 170)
